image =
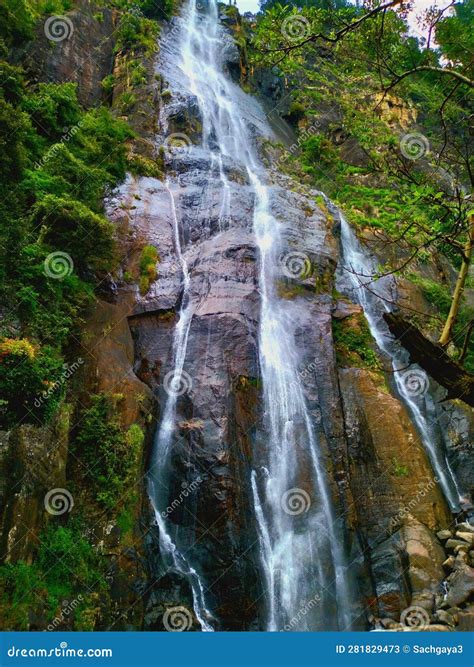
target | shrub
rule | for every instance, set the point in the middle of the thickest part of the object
(53, 108)
(16, 21)
(14, 127)
(26, 371)
(111, 454)
(73, 228)
(136, 33)
(148, 260)
(101, 139)
(353, 342)
(67, 567)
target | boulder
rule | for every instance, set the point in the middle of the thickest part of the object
(461, 585)
(466, 620)
(465, 528)
(444, 535)
(453, 544)
(449, 563)
(445, 618)
(467, 537)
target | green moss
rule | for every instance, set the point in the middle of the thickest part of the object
(353, 342)
(399, 470)
(290, 291)
(126, 519)
(144, 166)
(245, 382)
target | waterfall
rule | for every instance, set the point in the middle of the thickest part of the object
(300, 542)
(292, 548)
(359, 269)
(174, 557)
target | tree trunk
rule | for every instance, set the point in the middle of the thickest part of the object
(447, 332)
(433, 359)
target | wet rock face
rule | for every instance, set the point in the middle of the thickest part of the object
(214, 448)
(216, 415)
(456, 420)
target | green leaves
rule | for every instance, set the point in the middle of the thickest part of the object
(455, 36)
(53, 108)
(75, 229)
(67, 567)
(24, 379)
(112, 454)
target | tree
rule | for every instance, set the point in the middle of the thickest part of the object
(363, 61)
(447, 332)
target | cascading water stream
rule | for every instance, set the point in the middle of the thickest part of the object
(174, 559)
(289, 554)
(300, 551)
(359, 268)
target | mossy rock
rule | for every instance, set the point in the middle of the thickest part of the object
(353, 343)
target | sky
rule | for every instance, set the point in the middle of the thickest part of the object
(418, 7)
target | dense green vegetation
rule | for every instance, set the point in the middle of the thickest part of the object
(67, 569)
(57, 161)
(51, 201)
(109, 454)
(383, 122)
